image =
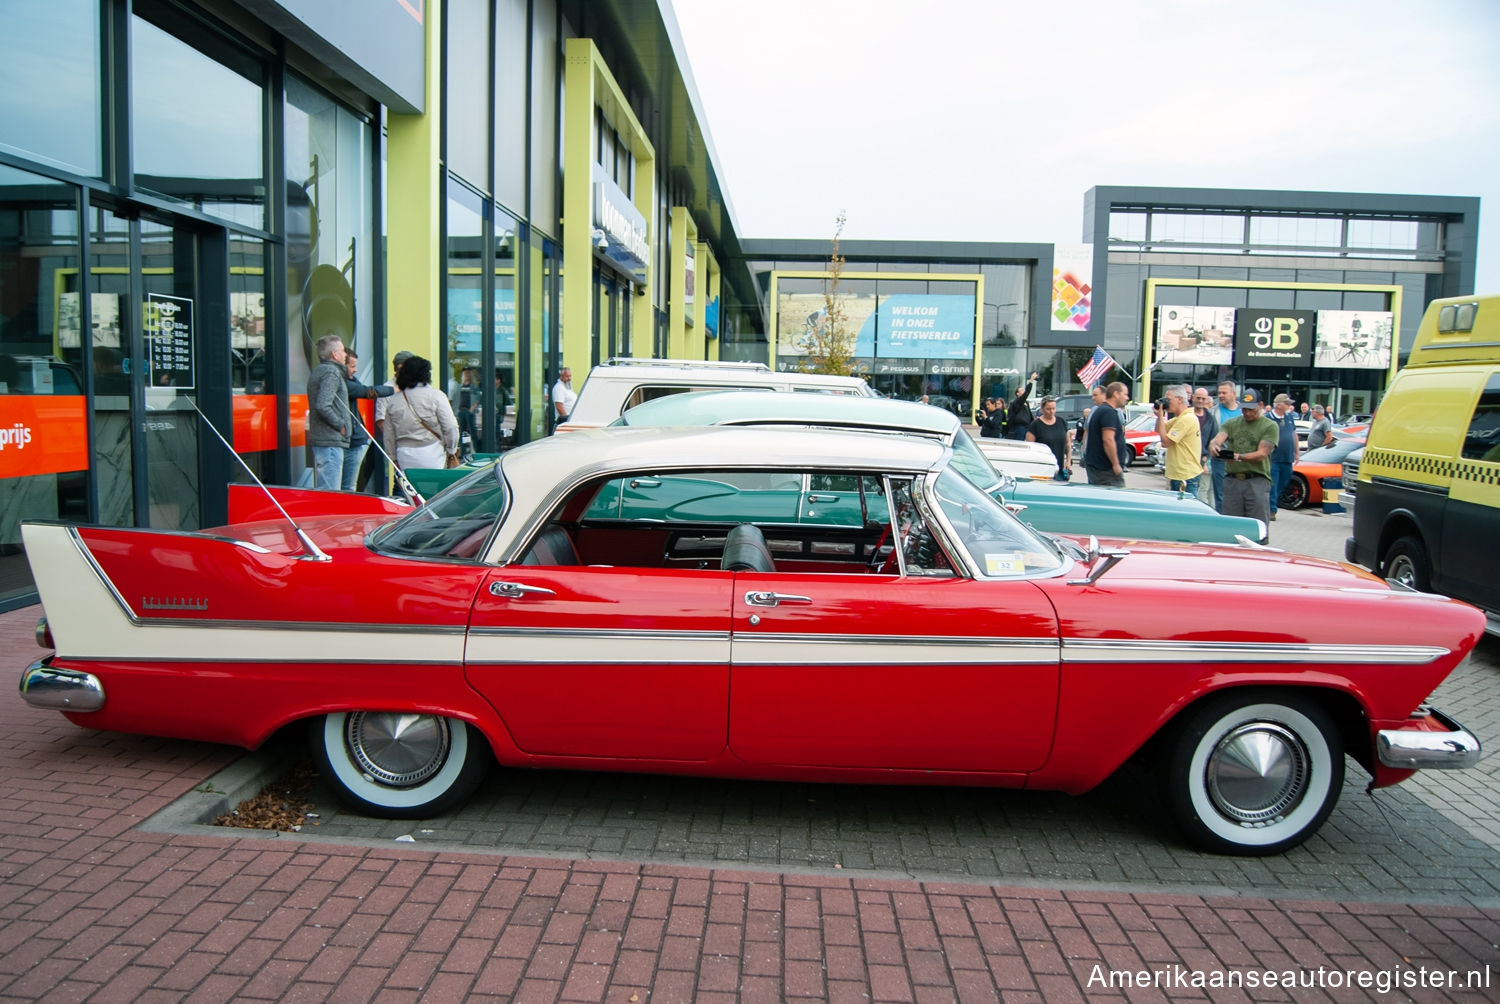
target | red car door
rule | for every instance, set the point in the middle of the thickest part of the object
(900, 672)
(584, 661)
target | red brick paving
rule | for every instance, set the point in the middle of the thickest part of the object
(91, 908)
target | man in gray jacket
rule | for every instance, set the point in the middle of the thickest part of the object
(328, 414)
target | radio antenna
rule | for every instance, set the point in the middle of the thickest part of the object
(400, 475)
(313, 552)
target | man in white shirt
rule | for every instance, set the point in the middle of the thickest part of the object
(563, 397)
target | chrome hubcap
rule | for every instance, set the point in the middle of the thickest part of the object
(1257, 773)
(400, 750)
(1403, 571)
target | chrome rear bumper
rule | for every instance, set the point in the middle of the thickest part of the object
(61, 689)
(1443, 745)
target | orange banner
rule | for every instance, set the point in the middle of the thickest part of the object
(42, 434)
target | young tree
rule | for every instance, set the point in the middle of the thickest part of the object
(828, 339)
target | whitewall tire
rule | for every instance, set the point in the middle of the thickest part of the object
(1254, 773)
(399, 765)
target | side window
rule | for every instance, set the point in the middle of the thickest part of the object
(918, 547)
(1483, 439)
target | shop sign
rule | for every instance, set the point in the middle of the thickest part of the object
(1273, 337)
(920, 326)
(42, 434)
(168, 326)
(623, 229)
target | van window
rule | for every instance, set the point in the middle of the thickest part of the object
(1483, 440)
(648, 392)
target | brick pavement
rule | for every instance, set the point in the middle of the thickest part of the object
(92, 906)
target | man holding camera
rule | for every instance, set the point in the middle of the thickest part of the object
(1245, 444)
(1178, 429)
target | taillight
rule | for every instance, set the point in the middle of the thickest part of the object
(44, 633)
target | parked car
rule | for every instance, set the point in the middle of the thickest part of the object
(1350, 495)
(1019, 459)
(620, 384)
(942, 641)
(1305, 486)
(1140, 433)
(1046, 504)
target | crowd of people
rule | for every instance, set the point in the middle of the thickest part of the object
(1246, 451)
(414, 421)
(415, 424)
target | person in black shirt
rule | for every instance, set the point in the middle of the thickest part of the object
(1054, 433)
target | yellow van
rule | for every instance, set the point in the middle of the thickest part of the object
(1429, 481)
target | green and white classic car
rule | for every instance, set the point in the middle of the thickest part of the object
(1051, 506)
(1056, 507)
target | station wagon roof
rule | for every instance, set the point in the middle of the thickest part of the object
(762, 408)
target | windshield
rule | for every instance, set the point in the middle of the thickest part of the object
(455, 524)
(974, 465)
(998, 543)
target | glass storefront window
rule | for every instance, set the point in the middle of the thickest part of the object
(196, 127)
(329, 242)
(44, 444)
(509, 239)
(49, 83)
(464, 299)
(467, 114)
(255, 422)
(510, 102)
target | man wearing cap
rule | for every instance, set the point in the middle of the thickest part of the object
(1285, 454)
(1245, 444)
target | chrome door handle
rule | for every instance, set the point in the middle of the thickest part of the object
(822, 498)
(514, 590)
(644, 483)
(760, 599)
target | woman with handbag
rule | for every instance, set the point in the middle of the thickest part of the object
(420, 429)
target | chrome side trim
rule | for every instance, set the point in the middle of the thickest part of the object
(1409, 749)
(88, 556)
(597, 634)
(498, 646)
(60, 689)
(1145, 650)
(751, 648)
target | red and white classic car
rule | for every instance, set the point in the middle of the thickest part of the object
(529, 615)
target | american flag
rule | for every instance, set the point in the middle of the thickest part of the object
(1101, 364)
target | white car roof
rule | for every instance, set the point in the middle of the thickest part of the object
(538, 474)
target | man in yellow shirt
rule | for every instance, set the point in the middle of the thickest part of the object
(1183, 440)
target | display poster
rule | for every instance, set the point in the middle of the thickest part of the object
(464, 329)
(1202, 336)
(105, 320)
(1273, 337)
(1355, 339)
(1072, 286)
(802, 319)
(689, 281)
(168, 326)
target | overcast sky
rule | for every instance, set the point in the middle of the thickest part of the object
(988, 120)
